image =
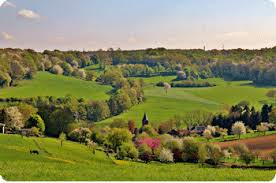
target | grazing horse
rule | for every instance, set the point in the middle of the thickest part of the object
(34, 152)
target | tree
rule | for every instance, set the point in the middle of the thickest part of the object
(27, 111)
(190, 150)
(238, 129)
(145, 153)
(5, 79)
(56, 69)
(273, 156)
(97, 110)
(214, 154)
(131, 126)
(167, 87)
(62, 138)
(80, 135)
(13, 118)
(117, 137)
(36, 121)
(58, 121)
(272, 116)
(17, 70)
(263, 127)
(92, 146)
(202, 154)
(207, 134)
(166, 156)
(127, 150)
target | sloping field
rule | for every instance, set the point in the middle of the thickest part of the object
(46, 84)
(75, 162)
(264, 145)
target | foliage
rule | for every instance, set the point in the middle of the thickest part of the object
(166, 156)
(127, 150)
(36, 121)
(80, 135)
(117, 137)
(238, 128)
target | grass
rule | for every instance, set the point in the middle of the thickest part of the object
(161, 106)
(46, 84)
(75, 162)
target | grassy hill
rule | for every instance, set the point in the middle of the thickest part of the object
(161, 106)
(46, 84)
(76, 162)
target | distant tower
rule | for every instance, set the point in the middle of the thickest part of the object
(145, 120)
(204, 48)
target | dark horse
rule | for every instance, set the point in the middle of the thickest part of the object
(34, 152)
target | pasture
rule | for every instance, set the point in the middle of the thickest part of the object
(75, 162)
(161, 106)
(46, 84)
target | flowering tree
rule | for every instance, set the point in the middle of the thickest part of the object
(152, 143)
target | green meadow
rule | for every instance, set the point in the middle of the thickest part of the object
(161, 106)
(46, 84)
(75, 162)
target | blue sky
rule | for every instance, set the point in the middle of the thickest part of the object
(136, 24)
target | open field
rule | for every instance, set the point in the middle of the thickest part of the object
(75, 162)
(161, 106)
(46, 84)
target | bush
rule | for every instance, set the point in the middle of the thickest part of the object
(117, 137)
(149, 130)
(263, 127)
(214, 154)
(35, 132)
(56, 69)
(36, 121)
(166, 156)
(79, 73)
(145, 153)
(273, 156)
(175, 145)
(127, 150)
(80, 135)
(207, 134)
(244, 153)
(190, 150)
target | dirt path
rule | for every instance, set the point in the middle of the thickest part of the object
(264, 145)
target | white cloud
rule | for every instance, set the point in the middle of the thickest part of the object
(273, 2)
(7, 36)
(8, 4)
(29, 14)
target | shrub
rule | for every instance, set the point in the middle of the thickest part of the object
(117, 137)
(145, 153)
(56, 69)
(5, 79)
(149, 130)
(35, 131)
(273, 156)
(202, 154)
(207, 134)
(263, 127)
(244, 153)
(190, 150)
(238, 129)
(214, 154)
(62, 137)
(80, 135)
(79, 73)
(175, 145)
(36, 121)
(166, 156)
(13, 118)
(92, 146)
(127, 150)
